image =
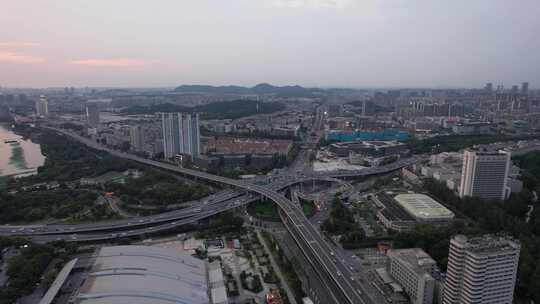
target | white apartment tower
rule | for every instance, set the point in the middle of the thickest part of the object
(484, 174)
(42, 107)
(136, 138)
(413, 269)
(180, 134)
(92, 114)
(481, 270)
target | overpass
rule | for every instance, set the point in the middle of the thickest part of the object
(341, 287)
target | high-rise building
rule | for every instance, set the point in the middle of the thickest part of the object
(136, 138)
(180, 134)
(413, 269)
(489, 88)
(525, 88)
(42, 107)
(481, 270)
(92, 114)
(484, 174)
(515, 89)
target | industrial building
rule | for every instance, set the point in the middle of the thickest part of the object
(384, 135)
(471, 128)
(402, 211)
(481, 270)
(216, 284)
(138, 275)
(368, 148)
(234, 145)
(144, 274)
(423, 208)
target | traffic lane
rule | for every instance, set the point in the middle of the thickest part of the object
(320, 260)
(81, 237)
(162, 217)
(321, 249)
(57, 230)
(338, 261)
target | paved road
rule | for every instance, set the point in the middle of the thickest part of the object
(341, 284)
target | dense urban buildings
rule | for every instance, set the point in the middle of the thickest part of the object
(397, 161)
(481, 270)
(232, 145)
(484, 174)
(180, 134)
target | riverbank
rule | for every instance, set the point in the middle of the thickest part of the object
(19, 155)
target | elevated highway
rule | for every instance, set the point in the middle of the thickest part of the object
(341, 286)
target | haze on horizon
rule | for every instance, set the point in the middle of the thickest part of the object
(346, 43)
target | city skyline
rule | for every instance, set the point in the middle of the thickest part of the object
(276, 151)
(340, 43)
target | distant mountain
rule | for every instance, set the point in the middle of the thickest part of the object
(212, 89)
(231, 109)
(262, 88)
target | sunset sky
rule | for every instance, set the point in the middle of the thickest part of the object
(349, 43)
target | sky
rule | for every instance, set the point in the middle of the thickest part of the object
(340, 43)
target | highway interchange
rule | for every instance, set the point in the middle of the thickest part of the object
(332, 269)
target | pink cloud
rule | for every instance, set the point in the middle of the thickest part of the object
(119, 62)
(19, 58)
(18, 44)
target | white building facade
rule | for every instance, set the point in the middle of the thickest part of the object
(180, 134)
(412, 269)
(92, 114)
(136, 138)
(481, 270)
(484, 174)
(42, 107)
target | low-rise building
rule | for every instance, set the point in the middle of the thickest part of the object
(144, 274)
(231, 145)
(216, 283)
(413, 269)
(471, 128)
(403, 211)
(423, 208)
(368, 148)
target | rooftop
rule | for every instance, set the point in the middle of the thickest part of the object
(376, 144)
(423, 207)
(392, 211)
(487, 244)
(231, 145)
(415, 258)
(144, 275)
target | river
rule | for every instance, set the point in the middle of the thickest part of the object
(19, 157)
